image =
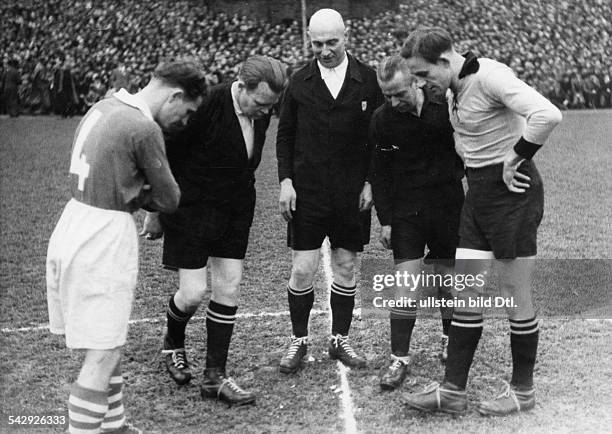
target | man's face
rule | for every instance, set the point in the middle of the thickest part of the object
(175, 112)
(400, 92)
(328, 45)
(438, 74)
(256, 103)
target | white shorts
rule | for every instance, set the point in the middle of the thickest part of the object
(92, 267)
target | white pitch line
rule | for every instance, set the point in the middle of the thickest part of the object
(40, 327)
(348, 413)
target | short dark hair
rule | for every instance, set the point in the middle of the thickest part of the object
(256, 69)
(428, 43)
(389, 66)
(187, 74)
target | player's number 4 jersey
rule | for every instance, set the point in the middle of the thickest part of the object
(78, 161)
(113, 144)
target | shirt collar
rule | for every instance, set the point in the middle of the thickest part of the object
(312, 69)
(470, 66)
(134, 101)
(234, 92)
(340, 69)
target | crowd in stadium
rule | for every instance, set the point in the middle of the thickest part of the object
(63, 55)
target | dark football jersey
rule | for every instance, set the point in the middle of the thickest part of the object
(115, 143)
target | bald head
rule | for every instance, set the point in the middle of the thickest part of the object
(327, 37)
(326, 20)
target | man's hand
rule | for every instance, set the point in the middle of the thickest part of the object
(151, 227)
(287, 199)
(365, 197)
(385, 236)
(514, 180)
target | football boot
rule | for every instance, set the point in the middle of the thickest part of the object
(509, 401)
(176, 364)
(393, 375)
(297, 350)
(217, 385)
(340, 349)
(436, 397)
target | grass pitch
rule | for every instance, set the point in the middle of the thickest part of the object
(575, 358)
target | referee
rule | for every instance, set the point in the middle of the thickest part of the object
(214, 162)
(417, 193)
(323, 159)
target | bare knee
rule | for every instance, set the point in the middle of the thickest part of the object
(97, 368)
(228, 288)
(226, 278)
(102, 357)
(518, 301)
(230, 282)
(344, 271)
(227, 295)
(190, 295)
(302, 274)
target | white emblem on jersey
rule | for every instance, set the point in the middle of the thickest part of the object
(78, 161)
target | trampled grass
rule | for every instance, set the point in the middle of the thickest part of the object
(575, 359)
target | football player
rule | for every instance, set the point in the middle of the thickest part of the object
(214, 161)
(500, 123)
(418, 196)
(118, 165)
(323, 158)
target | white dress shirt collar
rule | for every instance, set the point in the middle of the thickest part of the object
(334, 77)
(132, 100)
(339, 70)
(246, 123)
(234, 92)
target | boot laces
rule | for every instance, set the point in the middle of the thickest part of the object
(229, 382)
(296, 343)
(506, 392)
(398, 362)
(179, 358)
(510, 392)
(342, 342)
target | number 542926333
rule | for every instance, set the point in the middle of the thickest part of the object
(36, 420)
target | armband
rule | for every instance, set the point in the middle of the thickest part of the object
(526, 149)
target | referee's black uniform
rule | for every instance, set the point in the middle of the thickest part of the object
(322, 146)
(416, 179)
(210, 163)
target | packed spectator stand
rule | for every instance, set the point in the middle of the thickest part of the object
(63, 55)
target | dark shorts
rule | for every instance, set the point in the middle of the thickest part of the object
(434, 224)
(317, 217)
(190, 238)
(495, 219)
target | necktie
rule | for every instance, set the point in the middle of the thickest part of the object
(248, 133)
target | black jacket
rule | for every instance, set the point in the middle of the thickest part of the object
(209, 161)
(415, 162)
(322, 143)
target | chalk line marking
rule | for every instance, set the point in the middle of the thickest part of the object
(348, 412)
(40, 327)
